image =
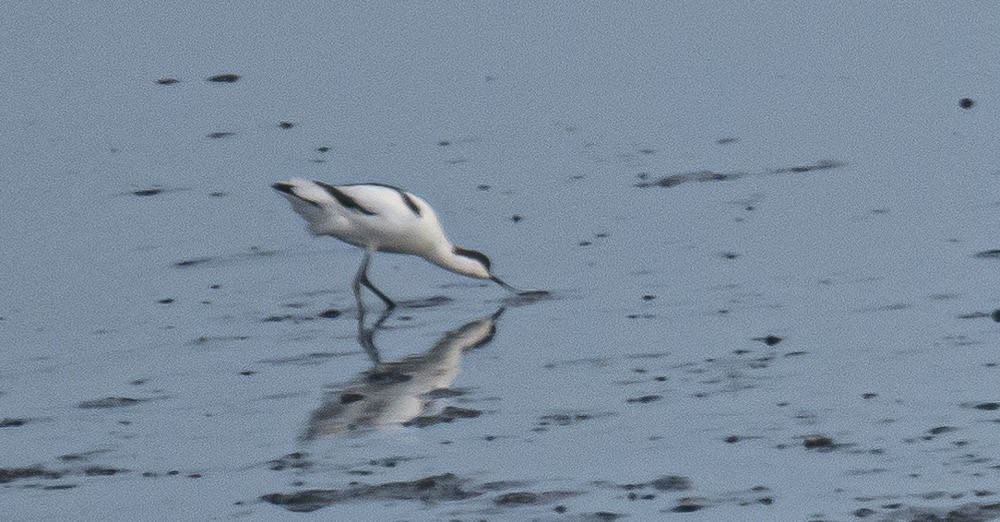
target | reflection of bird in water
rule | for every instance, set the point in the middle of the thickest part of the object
(382, 218)
(394, 392)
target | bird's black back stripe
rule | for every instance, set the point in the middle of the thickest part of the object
(289, 189)
(478, 256)
(344, 200)
(408, 199)
(411, 203)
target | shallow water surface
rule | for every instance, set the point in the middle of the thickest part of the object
(765, 233)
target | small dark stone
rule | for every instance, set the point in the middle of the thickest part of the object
(769, 340)
(729, 255)
(686, 508)
(323, 149)
(516, 217)
(767, 501)
(167, 81)
(215, 287)
(732, 439)
(444, 143)
(8, 422)
(584, 243)
(286, 125)
(330, 314)
(996, 315)
(173, 472)
(648, 297)
(482, 187)
(989, 254)
(869, 395)
(247, 373)
(941, 429)
(224, 78)
(559, 509)
(147, 192)
(166, 300)
(817, 441)
(988, 406)
(194, 475)
(966, 103)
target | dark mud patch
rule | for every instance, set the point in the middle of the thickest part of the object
(429, 302)
(306, 359)
(295, 460)
(192, 262)
(644, 399)
(445, 393)
(8, 475)
(289, 318)
(530, 498)
(11, 422)
(110, 402)
(102, 471)
(253, 253)
(224, 78)
(590, 362)
(526, 297)
(988, 254)
(448, 414)
(437, 488)
(154, 190)
(212, 339)
(970, 512)
(219, 135)
(569, 418)
(663, 483)
(708, 175)
(12, 474)
(167, 81)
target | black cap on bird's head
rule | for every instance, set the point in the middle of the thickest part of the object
(485, 262)
(475, 256)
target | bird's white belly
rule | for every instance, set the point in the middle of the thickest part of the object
(372, 232)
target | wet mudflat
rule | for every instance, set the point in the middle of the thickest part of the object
(771, 264)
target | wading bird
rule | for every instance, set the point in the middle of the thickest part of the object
(382, 218)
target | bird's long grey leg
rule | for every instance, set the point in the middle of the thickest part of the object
(356, 286)
(366, 335)
(362, 279)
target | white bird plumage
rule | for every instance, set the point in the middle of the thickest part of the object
(381, 218)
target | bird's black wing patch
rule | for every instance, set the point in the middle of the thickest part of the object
(407, 198)
(344, 200)
(478, 256)
(289, 189)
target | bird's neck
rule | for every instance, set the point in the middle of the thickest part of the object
(445, 257)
